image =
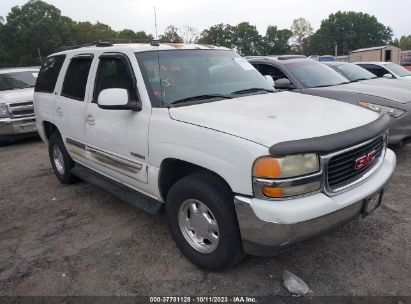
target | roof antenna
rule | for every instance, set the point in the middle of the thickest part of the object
(155, 21)
(155, 41)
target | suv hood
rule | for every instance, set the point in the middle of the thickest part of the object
(397, 94)
(13, 96)
(268, 119)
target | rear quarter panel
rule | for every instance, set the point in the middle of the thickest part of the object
(44, 109)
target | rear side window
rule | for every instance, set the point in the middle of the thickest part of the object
(49, 73)
(270, 70)
(75, 81)
(375, 69)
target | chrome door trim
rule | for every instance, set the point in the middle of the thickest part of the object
(106, 159)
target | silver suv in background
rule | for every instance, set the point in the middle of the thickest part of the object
(303, 75)
(16, 103)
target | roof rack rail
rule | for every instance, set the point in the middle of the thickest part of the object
(103, 44)
(73, 47)
(254, 56)
(286, 57)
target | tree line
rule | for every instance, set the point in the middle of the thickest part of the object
(37, 29)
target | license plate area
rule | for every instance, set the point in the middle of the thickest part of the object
(371, 203)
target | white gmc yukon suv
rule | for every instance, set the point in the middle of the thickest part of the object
(196, 132)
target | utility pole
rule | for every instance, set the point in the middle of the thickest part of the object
(336, 49)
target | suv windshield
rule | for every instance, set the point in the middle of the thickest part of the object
(18, 80)
(312, 74)
(397, 69)
(179, 76)
(354, 72)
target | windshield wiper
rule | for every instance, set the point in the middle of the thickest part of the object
(360, 79)
(200, 97)
(331, 85)
(9, 89)
(252, 90)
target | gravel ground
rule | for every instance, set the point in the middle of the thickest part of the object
(79, 240)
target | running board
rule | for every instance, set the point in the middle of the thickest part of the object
(131, 197)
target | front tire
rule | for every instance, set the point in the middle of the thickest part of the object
(60, 159)
(203, 222)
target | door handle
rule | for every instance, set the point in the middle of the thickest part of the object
(59, 111)
(90, 119)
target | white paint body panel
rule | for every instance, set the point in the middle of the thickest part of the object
(229, 156)
(268, 119)
(13, 96)
(122, 133)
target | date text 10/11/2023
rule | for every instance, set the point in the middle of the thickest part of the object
(203, 299)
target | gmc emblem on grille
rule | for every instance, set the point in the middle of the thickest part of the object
(365, 160)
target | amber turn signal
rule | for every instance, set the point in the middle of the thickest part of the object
(273, 192)
(267, 167)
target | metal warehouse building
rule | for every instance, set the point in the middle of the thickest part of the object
(379, 53)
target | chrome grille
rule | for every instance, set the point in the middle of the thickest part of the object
(341, 169)
(21, 109)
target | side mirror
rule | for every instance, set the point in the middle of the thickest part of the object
(284, 84)
(117, 99)
(388, 76)
(269, 79)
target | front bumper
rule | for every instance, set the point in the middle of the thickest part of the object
(17, 127)
(269, 227)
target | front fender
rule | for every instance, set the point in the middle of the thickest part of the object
(228, 156)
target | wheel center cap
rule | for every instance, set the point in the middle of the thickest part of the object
(200, 225)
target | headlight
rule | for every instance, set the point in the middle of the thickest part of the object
(3, 111)
(382, 109)
(283, 167)
(286, 176)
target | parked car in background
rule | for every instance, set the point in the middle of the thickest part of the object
(326, 58)
(314, 78)
(196, 131)
(386, 69)
(406, 59)
(355, 73)
(315, 57)
(16, 103)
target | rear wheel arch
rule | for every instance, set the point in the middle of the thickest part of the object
(60, 160)
(49, 128)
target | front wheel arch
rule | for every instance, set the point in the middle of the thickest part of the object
(173, 169)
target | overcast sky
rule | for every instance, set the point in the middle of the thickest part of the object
(138, 14)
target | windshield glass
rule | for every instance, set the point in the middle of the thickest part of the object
(397, 69)
(354, 72)
(18, 80)
(179, 75)
(312, 74)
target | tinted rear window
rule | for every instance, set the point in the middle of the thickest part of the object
(49, 73)
(75, 81)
